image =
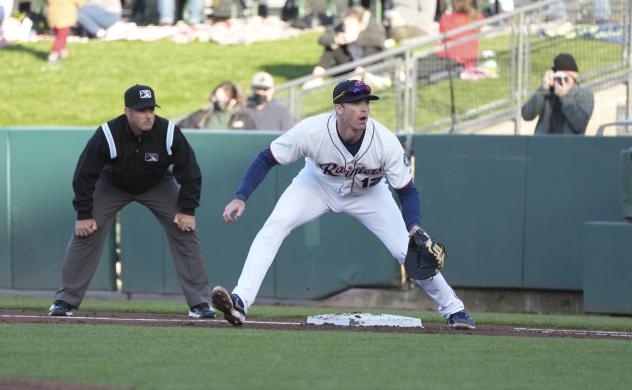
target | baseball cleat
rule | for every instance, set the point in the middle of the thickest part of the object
(461, 320)
(203, 310)
(229, 304)
(60, 308)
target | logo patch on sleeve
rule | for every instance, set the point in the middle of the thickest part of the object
(151, 157)
(406, 160)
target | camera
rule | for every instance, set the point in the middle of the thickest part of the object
(560, 77)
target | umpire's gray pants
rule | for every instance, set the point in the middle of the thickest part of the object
(83, 253)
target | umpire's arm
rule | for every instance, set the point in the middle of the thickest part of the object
(187, 173)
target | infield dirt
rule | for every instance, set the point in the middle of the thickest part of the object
(294, 324)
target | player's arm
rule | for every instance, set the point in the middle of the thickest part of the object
(411, 206)
(256, 172)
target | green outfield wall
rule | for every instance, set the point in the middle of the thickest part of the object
(510, 209)
(607, 267)
(37, 211)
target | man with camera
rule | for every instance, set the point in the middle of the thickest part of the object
(561, 104)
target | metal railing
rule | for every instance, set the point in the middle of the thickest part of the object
(515, 49)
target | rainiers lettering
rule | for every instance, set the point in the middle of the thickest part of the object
(333, 169)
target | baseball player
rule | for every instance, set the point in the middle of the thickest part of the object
(349, 159)
(128, 159)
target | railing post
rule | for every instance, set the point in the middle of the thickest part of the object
(408, 91)
(628, 109)
(519, 77)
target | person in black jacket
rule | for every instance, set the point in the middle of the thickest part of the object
(128, 159)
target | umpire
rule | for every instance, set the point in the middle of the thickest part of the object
(128, 159)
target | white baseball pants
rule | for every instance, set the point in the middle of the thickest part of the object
(306, 199)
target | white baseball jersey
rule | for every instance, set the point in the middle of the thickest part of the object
(316, 138)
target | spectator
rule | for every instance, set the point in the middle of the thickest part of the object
(226, 99)
(144, 12)
(6, 6)
(462, 56)
(411, 18)
(61, 15)
(354, 38)
(601, 11)
(261, 112)
(96, 16)
(494, 7)
(561, 104)
(462, 13)
(167, 11)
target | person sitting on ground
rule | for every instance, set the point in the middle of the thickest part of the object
(463, 13)
(96, 16)
(225, 100)
(261, 112)
(354, 38)
(561, 104)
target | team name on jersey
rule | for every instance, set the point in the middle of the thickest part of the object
(333, 169)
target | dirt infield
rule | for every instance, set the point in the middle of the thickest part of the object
(20, 316)
(33, 384)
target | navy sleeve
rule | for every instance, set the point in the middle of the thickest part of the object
(87, 172)
(255, 173)
(411, 205)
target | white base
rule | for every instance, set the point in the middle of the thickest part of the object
(364, 319)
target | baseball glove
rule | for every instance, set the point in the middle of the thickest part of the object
(425, 257)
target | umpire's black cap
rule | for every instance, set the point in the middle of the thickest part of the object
(352, 90)
(139, 97)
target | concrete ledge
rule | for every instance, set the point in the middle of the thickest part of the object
(483, 300)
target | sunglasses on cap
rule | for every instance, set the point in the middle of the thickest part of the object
(359, 89)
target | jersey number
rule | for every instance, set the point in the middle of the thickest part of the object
(370, 182)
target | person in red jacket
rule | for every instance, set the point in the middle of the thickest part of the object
(462, 13)
(457, 57)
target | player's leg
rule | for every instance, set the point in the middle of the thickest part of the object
(185, 247)
(83, 253)
(300, 203)
(378, 211)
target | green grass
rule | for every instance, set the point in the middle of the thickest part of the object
(88, 87)
(199, 358)
(203, 358)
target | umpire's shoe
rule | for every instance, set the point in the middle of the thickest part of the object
(461, 320)
(230, 304)
(202, 310)
(60, 308)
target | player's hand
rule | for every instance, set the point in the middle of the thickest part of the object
(85, 227)
(547, 80)
(185, 222)
(234, 210)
